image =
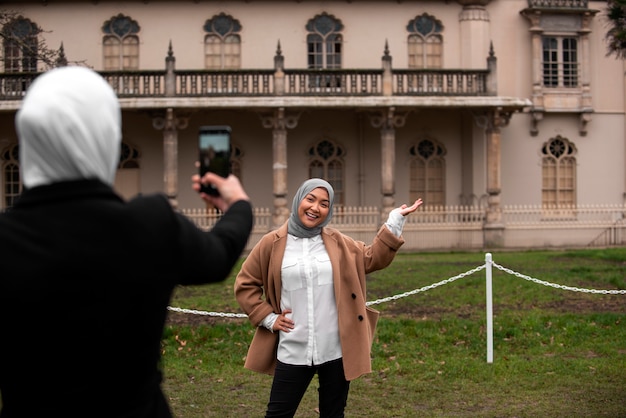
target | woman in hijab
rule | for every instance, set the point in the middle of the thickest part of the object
(303, 287)
(87, 276)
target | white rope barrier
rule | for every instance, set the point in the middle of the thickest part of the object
(489, 291)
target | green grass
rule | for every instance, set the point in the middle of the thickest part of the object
(556, 352)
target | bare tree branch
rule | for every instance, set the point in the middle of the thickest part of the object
(33, 46)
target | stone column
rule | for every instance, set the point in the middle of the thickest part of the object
(494, 226)
(536, 113)
(387, 120)
(279, 122)
(170, 123)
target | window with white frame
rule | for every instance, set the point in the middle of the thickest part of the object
(222, 43)
(120, 44)
(425, 42)
(428, 172)
(324, 42)
(558, 173)
(21, 45)
(326, 162)
(560, 61)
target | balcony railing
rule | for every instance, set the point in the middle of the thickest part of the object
(207, 83)
(279, 81)
(445, 227)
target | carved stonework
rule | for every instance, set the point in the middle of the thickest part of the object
(279, 122)
(170, 122)
(387, 119)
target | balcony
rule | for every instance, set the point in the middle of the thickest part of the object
(280, 87)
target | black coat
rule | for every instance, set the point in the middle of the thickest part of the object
(85, 282)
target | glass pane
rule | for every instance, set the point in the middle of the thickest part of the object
(416, 50)
(434, 52)
(316, 169)
(314, 45)
(212, 52)
(550, 62)
(570, 62)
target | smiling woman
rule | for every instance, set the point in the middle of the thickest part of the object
(311, 309)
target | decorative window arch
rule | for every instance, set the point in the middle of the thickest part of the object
(120, 43)
(558, 167)
(11, 181)
(326, 161)
(428, 172)
(324, 42)
(129, 156)
(222, 43)
(21, 45)
(425, 42)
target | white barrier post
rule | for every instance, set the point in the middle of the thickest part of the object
(489, 309)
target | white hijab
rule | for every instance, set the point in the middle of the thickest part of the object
(69, 128)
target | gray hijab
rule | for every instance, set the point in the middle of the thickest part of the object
(295, 226)
(69, 128)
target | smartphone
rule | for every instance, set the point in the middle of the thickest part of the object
(214, 153)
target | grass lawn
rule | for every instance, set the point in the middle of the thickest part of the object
(556, 352)
(559, 341)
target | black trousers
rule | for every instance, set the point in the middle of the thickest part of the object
(291, 382)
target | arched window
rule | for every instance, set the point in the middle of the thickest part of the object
(127, 175)
(129, 157)
(11, 181)
(425, 42)
(558, 173)
(120, 43)
(324, 42)
(21, 45)
(222, 44)
(326, 162)
(428, 172)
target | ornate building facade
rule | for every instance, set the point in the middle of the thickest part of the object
(486, 103)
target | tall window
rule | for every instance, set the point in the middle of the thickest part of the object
(127, 174)
(326, 162)
(560, 61)
(21, 45)
(425, 42)
(222, 44)
(324, 42)
(428, 173)
(558, 172)
(11, 182)
(120, 43)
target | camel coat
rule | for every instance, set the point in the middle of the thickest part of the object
(258, 288)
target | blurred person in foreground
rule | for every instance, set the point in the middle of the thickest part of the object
(303, 287)
(86, 276)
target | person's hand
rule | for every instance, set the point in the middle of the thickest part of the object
(283, 323)
(405, 210)
(230, 189)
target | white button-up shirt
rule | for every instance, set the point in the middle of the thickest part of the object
(307, 289)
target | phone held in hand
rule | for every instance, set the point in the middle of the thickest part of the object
(214, 153)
